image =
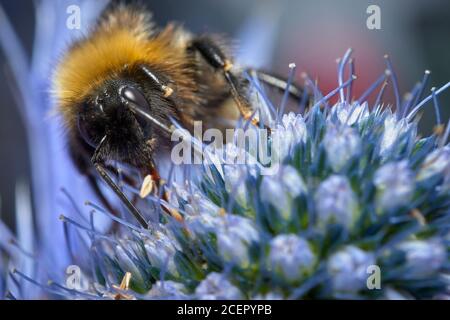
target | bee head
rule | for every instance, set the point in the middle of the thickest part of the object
(126, 113)
(120, 110)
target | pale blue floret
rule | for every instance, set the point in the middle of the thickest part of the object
(335, 202)
(235, 236)
(348, 269)
(280, 190)
(423, 258)
(436, 163)
(291, 256)
(217, 286)
(342, 143)
(395, 185)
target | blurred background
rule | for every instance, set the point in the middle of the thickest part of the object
(268, 34)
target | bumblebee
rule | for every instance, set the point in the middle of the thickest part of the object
(119, 89)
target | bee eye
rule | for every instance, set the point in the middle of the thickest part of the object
(135, 96)
(85, 132)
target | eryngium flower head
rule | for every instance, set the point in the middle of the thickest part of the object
(356, 187)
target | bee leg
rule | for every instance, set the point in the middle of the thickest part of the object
(101, 169)
(93, 182)
(212, 53)
(81, 157)
(107, 179)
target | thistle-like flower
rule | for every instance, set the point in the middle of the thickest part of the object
(355, 187)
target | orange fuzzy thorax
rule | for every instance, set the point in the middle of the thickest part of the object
(120, 42)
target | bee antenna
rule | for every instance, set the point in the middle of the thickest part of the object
(152, 119)
(137, 103)
(163, 87)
